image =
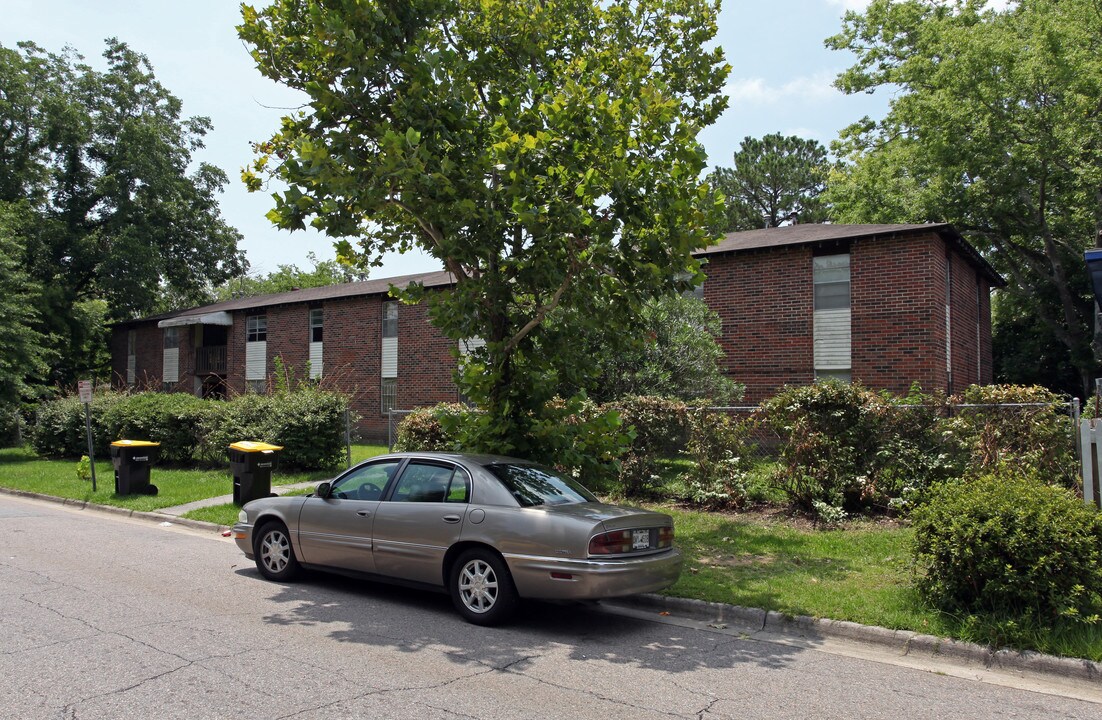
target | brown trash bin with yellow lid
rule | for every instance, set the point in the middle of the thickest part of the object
(251, 465)
(132, 460)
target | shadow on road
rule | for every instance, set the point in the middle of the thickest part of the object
(410, 620)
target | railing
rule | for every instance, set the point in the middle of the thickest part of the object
(210, 360)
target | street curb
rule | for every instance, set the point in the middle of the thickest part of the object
(112, 510)
(905, 642)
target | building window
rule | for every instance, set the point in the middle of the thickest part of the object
(258, 387)
(832, 334)
(172, 338)
(256, 328)
(316, 316)
(168, 386)
(832, 282)
(390, 319)
(389, 394)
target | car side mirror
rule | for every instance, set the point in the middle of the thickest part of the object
(324, 491)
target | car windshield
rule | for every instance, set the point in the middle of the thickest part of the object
(534, 485)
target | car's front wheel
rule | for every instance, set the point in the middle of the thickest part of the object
(275, 558)
(481, 587)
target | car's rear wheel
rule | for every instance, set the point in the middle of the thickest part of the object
(481, 587)
(275, 558)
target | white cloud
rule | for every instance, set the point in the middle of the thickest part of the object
(757, 91)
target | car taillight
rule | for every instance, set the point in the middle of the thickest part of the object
(665, 537)
(611, 543)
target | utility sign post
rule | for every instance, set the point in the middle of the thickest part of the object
(84, 389)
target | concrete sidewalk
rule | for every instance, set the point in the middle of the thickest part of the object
(178, 510)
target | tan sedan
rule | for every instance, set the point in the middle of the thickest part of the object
(489, 530)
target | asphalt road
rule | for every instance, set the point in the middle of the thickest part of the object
(107, 617)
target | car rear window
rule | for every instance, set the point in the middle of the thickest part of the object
(534, 485)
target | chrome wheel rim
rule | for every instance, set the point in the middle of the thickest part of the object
(275, 551)
(478, 586)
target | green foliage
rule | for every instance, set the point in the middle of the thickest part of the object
(173, 419)
(1009, 545)
(59, 428)
(772, 180)
(670, 350)
(660, 424)
(575, 436)
(432, 428)
(719, 446)
(84, 469)
(831, 432)
(287, 278)
(308, 422)
(101, 163)
(915, 450)
(854, 449)
(552, 169)
(993, 126)
(23, 353)
(1037, 439)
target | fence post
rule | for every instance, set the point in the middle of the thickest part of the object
(348, 437)
(390, 430)
(1090, 433)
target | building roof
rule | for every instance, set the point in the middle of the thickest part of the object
(813, 233)
(306, 295)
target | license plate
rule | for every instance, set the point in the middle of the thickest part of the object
(640, 539)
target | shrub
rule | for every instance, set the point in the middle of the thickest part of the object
(431, 429)
(11, 426)
(660, 424)
(831, 433)
(1036, 439)
(1007, 544)
(579, 438)
(914, 452)
(59, 430)
(719, 448)
(308, 422)
(173, 419)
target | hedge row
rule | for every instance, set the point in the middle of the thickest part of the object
(307, 422)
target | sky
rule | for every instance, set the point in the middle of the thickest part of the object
(780, 81)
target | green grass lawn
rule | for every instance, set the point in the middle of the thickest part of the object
(20, 469)
(861, 573)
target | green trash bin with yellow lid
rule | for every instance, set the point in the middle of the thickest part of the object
(251, 464)
(132, 460)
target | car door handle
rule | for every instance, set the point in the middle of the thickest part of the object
(363, 513)
(451, 518)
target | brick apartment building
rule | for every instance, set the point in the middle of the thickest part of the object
(887, 305)
(883, 304)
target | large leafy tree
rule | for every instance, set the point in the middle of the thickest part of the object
(996, 126)
(772, 179)
(675, 354)
(290, 277)
(545, 151)
(103, 161)
(23, 352)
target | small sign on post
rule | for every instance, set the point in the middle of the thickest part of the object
(84, 389)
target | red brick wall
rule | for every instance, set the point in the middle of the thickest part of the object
(897, 291)
(426, 365)
(764, 299)
(288, 338)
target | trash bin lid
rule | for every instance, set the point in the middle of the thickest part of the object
(250, 446)
(135, 443)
